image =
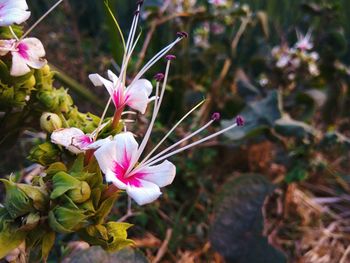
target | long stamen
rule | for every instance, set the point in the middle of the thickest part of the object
(103, 116)
(170, 132)
(239, 122)
(149, 130)
(13, 33)
(130, 45)
(41, 19)
(178, 143)
(156, 58)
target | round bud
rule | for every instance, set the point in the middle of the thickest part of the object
(50, 122)
(46, 70)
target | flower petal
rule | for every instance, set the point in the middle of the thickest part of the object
(98, 143)
(19, 65)
(147, 193)
(137, 95)
(162, 174)
(65, 138)
(113, 77)
(122, 150)
(13, 11)
(99, 81)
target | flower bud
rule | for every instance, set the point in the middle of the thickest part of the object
(17, 203)
(45, 70)
(50, 122)
(77, 191)
(66, 220)
(44, 154)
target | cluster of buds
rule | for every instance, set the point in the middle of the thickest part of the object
(297, 62)
(71, 195)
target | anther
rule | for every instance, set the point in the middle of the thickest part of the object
(170, 57)
(159, 76)
(216, 116)
(240, 121)
(136, 12)
(182, 34)
(140, 2)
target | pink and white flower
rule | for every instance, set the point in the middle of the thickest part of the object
(13, 12)
(304, 43)
(26, 54)
(76, 141)
(218, 2)
(136, 96)
(117, 160)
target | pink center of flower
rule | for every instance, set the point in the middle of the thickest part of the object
(23, 50)
(119, 98)
(120, 172)
(84, 141)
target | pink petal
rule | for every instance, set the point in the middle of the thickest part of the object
(122, 150)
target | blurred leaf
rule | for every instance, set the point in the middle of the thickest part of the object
(259, 117)
(9, 240)
(297, 174)
(286, 126)
(264, 22)
(47, 244)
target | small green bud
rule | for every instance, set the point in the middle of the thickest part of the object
(77, 191)
(81, 194)
(66, 220)
(48, 99)
(46, 70)
(17, 203)
(44, 154)
(38, 195)
(50, 122)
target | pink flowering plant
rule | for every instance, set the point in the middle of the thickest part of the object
(86, 162)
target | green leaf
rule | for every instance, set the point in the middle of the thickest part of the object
(9, 240)
(62, 183)
(78, 165)
(16, 202)
(105, 208)
(38, 195)
(66, 220)
(47, 244)
(55, 168)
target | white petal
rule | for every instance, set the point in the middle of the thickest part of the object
(145, 194)
(35, 47)
(137, 95)
(13, 12)
(6, 46)
(19, 65)
(98, 143)
(20, 4)
(162, 174)
(99, 81)
(65, 138)
(112, 77)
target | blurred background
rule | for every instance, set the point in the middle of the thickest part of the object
(276, 190)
